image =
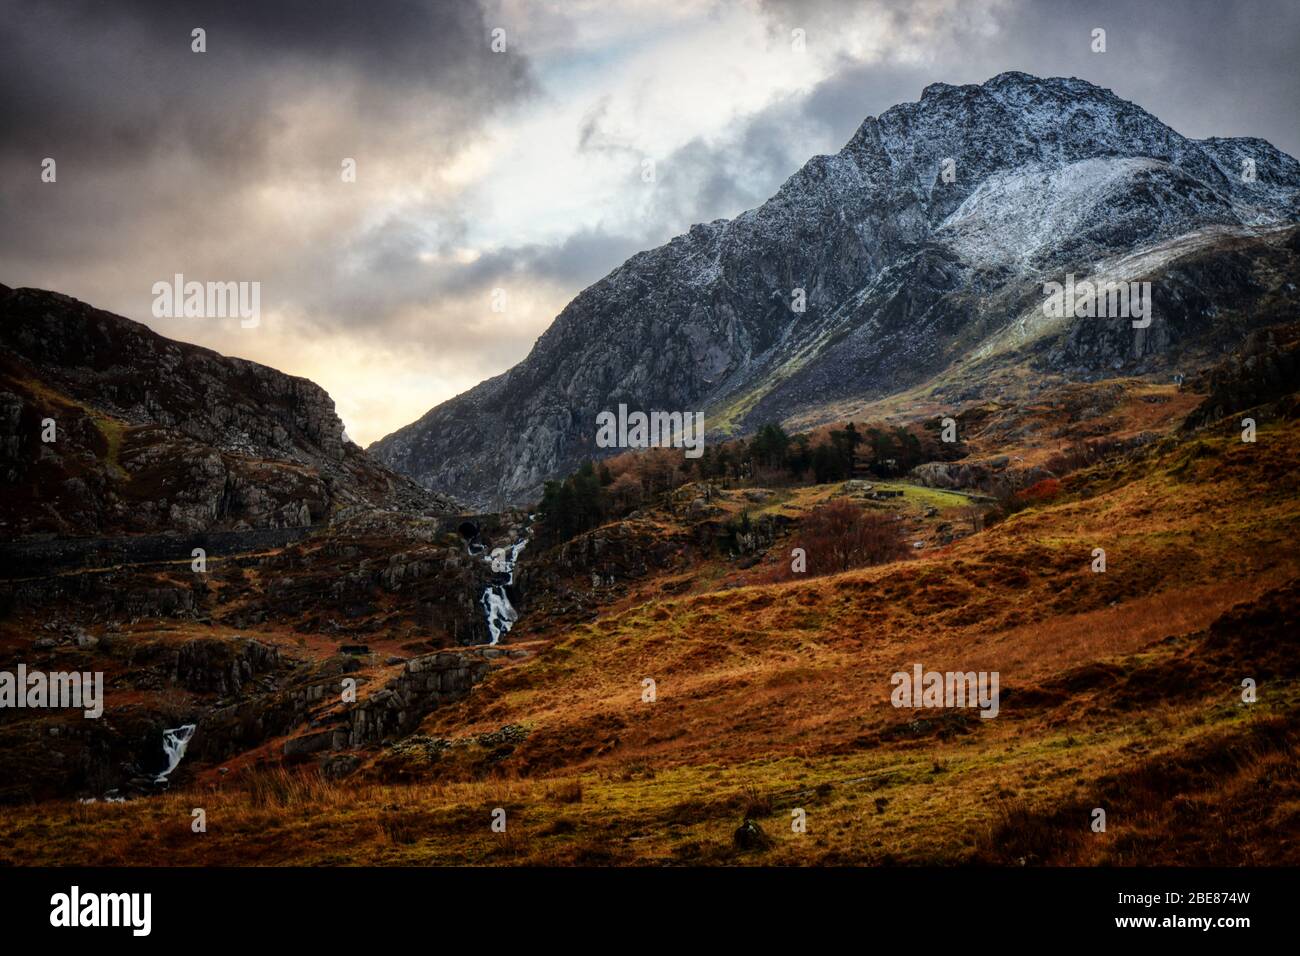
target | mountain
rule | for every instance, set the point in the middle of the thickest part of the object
(911, 280)
(153, 435)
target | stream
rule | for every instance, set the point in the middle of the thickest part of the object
(174, 743)
(500, 613)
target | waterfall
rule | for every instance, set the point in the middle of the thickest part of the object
(174, 743)
(500, 613)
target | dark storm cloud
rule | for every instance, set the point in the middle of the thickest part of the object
(594, 137)
(1204, 67)
(115, 81)
(858, 90)
(145, 129)
(577, 261)
(733, 171)
(411, 259)
(163, 153)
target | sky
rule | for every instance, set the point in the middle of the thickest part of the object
(493, 184)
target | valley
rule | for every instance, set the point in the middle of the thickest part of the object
(906, 427)
(772, 691)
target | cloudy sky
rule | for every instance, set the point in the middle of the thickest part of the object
(519, 170)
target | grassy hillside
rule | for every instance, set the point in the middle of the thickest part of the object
(1119, 690)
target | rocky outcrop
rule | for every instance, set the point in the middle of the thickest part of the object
(120, 595)
(222, 667)
(413, 582)
(240, 693)
(567, 582)
(37, 556)
(57, 758)
(1266, 368)
(623, 550)
(398, 707)
(153, 435)
(149, 686)
(905, 273)
(245, 723)
(993, 476)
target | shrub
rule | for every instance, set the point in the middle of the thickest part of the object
(1040, 491)
(840, 535)
(755, 803)
(567, 792)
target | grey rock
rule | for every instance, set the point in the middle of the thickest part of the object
(904, 273)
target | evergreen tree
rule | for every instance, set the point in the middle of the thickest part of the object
(769, 445)
(586, 497)
(798, 459)
(827, 463)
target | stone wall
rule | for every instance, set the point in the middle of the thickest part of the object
(30, 558)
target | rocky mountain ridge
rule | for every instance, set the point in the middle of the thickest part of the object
(153, 435)
(905, 270)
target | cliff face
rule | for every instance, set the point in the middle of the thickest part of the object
(906, 271)
(153, 435)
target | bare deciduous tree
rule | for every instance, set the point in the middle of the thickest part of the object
(840, 535)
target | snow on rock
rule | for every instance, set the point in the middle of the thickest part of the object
(903, 272)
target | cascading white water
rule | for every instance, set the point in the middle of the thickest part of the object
(501, 614)
(174, 743)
